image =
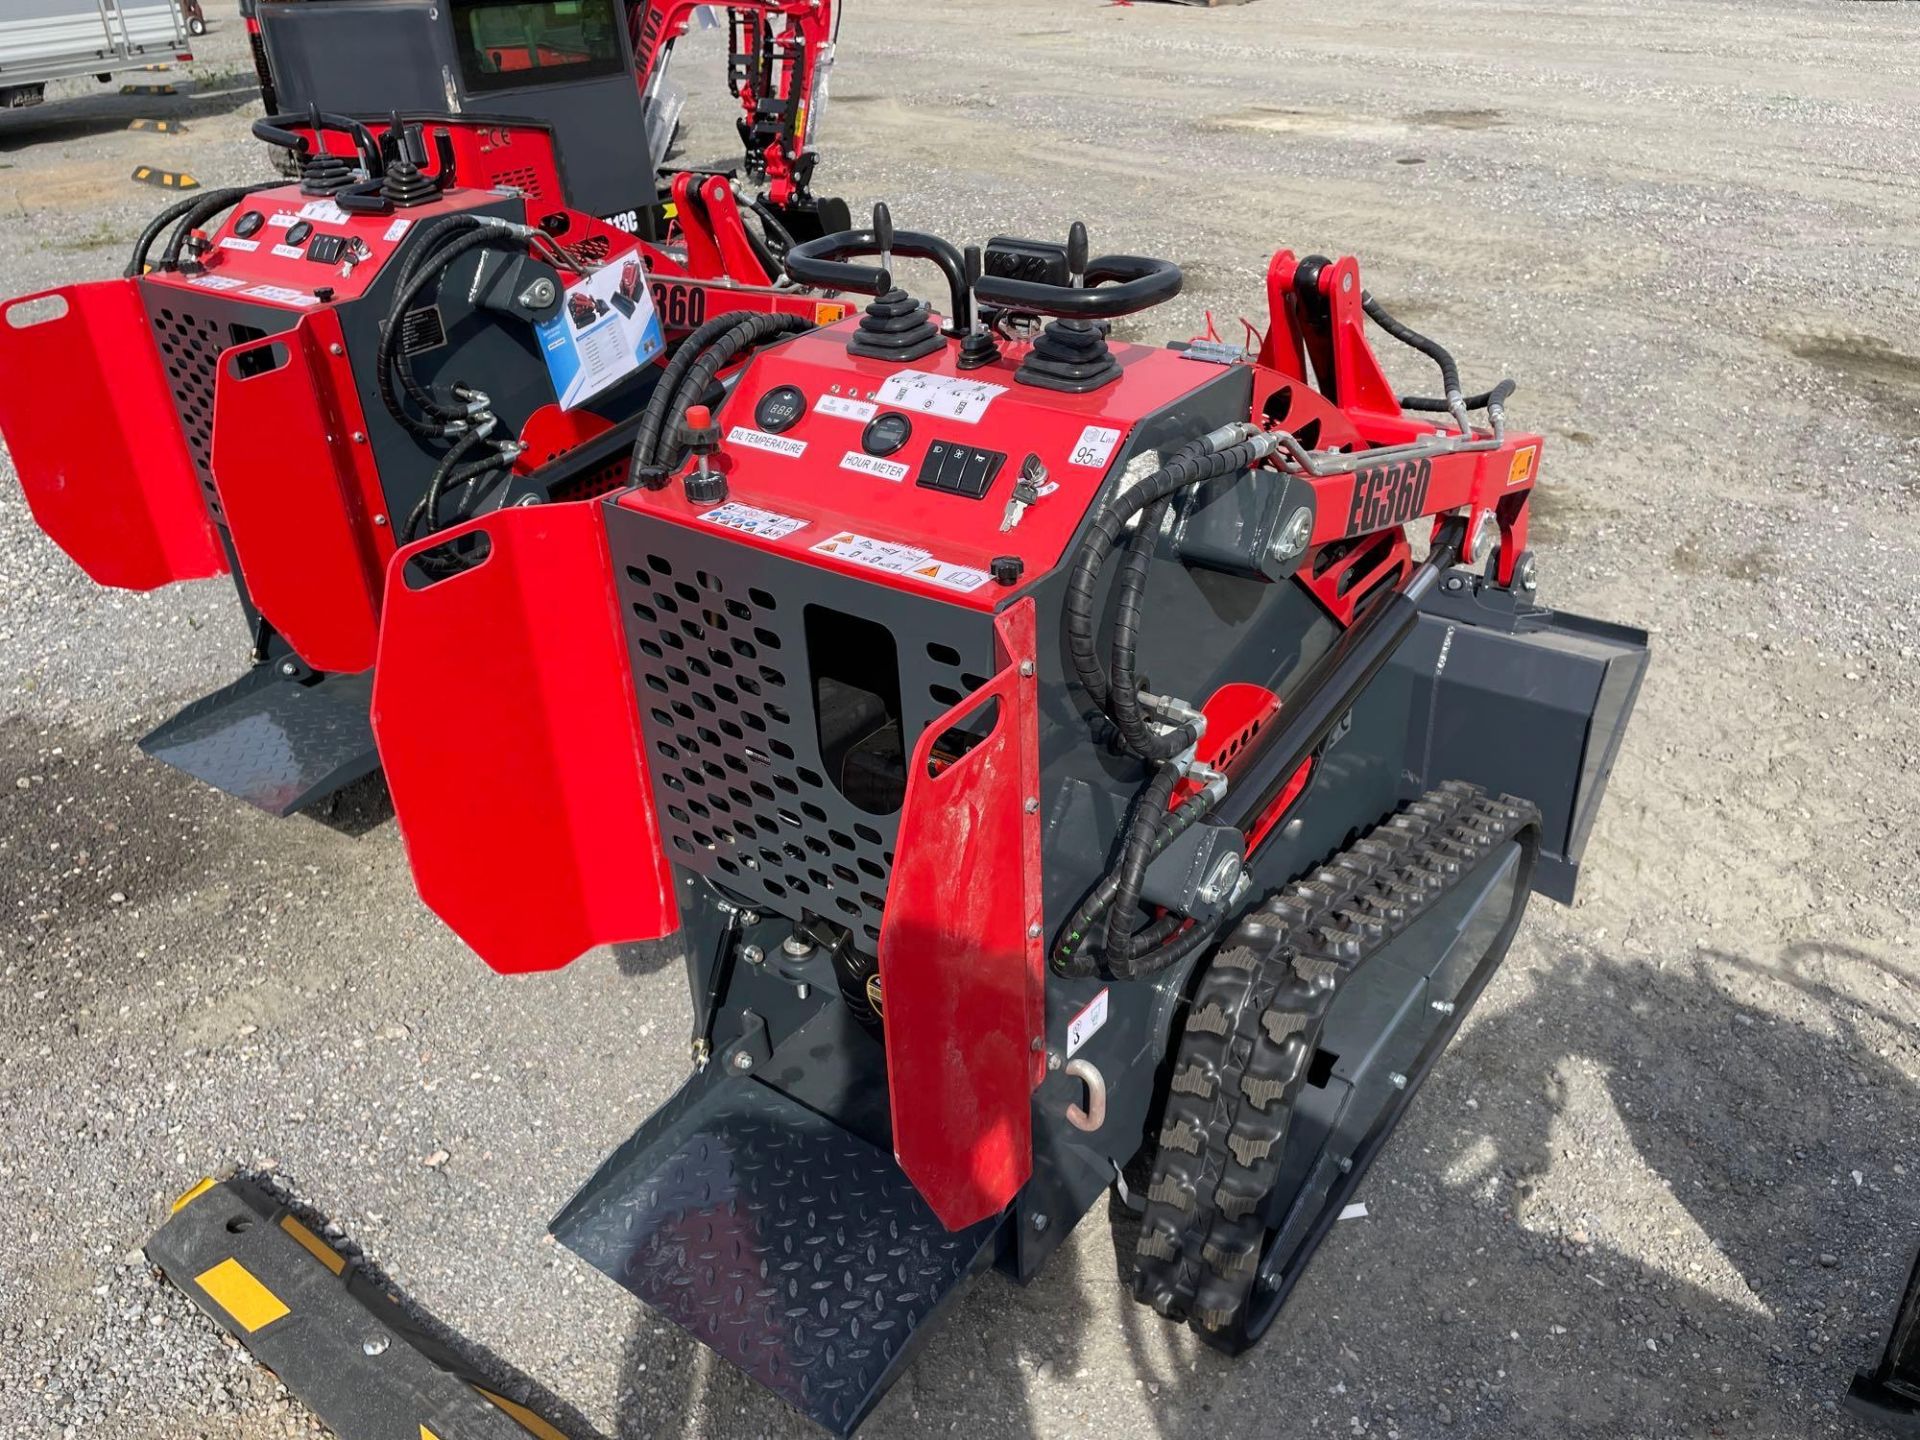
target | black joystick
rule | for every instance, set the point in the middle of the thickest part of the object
(321, 172)
(978, 348)
(895, 326)
(404, 185)
(1071, 355)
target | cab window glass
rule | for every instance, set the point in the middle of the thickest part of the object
(505, 44)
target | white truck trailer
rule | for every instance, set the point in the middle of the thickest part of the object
(43, 40)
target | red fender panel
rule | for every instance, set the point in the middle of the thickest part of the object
(962, 974)
(301, 493)
(503, 707)
(90, 420)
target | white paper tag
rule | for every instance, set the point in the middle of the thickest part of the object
(234, 242)
(942, 395)
(846, 409)
(281, 294)
(773, 444)
(1094, 447)
(896, 559)
(325, 211)
(873, 465)
(768, 524)
(1087, 1024)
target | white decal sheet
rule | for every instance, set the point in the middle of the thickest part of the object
(749, 520)
(943, 395)
(896, 559)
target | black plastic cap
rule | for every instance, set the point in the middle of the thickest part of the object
(1007, 569)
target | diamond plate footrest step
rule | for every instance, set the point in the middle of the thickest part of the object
(334, 1331)
(793, 1248)
(272, 742)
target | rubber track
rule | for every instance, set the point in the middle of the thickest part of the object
(1251, 1032)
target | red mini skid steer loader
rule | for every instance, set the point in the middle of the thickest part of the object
(343, 364)
(1062, 767)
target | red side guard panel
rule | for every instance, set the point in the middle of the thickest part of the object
(86, 411)
(504, 711)
(961, 968)
(301, 494)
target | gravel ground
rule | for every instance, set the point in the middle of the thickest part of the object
(1661, 1185)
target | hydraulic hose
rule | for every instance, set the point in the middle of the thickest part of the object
(391, 357)
(1067, 959)
(702, 373)
(212, 203)
(654, 417)
(1489, 400)
(1149, 815)
(444, 475)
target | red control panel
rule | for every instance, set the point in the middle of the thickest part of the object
(905, 472)
(280, 247)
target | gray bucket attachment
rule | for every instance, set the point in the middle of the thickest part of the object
(795, 1249)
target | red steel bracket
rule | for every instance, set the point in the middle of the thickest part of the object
(90, 420)
(962, 972)
(503, 707)
(301, 492)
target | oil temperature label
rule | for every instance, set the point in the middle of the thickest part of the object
(767, 524)
(772, 444)
(895, 559)
(942, 395)
(1087, 1024)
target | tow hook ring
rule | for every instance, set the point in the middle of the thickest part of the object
(1095, 1114)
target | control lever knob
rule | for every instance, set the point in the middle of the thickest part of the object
(1076, 254)
(704, 485)
(883, 231)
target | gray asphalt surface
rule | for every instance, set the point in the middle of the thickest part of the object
(1663, 1185)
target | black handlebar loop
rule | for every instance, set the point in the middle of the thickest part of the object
(1115, 285)
(823, 264)
(280, 130)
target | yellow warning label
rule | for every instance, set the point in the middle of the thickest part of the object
(192, 1195)
(314, 1245)
(1521, 467)
(232, 1287)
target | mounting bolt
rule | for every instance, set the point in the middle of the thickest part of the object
(1445, 1007)
(749, 917)
(753, 954)
(700, 1049)
(380, 521)
(1054, 1062)
(374, 1345)
(1526, 575)
(740, 1060)
(1039, 1223)
(1346, 281)
(539, 295)
(1399, 1080)
(802, 992)
(1036, 1045)
(359, 437)
(1033, 931)
(287, 667)
(1346, 1164)
(1481, 537)
(796, 947)
(1220, 883)
(336, 348)
(1033, 805)
(1026, 668)
(1291, 542)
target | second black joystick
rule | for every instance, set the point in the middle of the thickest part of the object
(895, 326)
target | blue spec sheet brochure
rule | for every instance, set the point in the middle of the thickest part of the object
(604, 331)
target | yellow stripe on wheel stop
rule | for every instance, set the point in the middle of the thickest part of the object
(234, 1288)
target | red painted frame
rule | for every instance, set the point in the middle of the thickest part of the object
(503, 706)
(89, 418)
(962, 969)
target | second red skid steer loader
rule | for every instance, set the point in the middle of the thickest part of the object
(1069, 766)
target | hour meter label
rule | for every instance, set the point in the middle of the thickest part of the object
(1087, 1024)
(233, 243)
(873, 465)
(894, 559)
(942, 395)
(846, 409)
(748, 520)
(772, 444)
(289, 252)
(1094, 447)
